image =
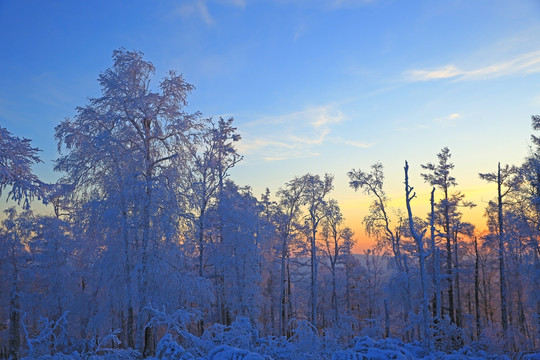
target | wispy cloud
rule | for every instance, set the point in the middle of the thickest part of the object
(237, 3)
(357, 144)
(448, 121)
(196, 8)
(536, 100)
(348, 3)
(527, 63)
(292, 135)
(199, 9)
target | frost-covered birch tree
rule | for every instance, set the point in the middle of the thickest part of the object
(438, 175)
(378, 223)
(287, 216)
(314, 198)
(506, 181)
(418, 237)
(16, 159)
(132, 137)
(337, 242)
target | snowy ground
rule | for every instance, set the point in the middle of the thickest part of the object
(240, 341)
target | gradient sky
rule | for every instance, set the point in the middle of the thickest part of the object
(314, 85)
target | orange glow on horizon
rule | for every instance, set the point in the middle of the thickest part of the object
(357, 207)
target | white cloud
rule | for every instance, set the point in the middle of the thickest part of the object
(195, 8)
(252, 144)
(527, 63)
(356, 144)
(445, 72)
(448, 121)
(290, 135)
(348, 3)
(310, 141)
(238, 3)
(536, 100)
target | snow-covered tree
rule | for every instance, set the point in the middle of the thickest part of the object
(287, 215)
(506, 181)
(16, 159)
(379, 223)
(418, 237)
(211, 159)
(130, 144)
(438, 175)
(315, 199)
(238, 255)
(337, 243)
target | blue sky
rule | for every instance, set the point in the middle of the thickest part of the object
(314, 85)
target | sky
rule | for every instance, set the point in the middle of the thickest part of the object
(318, 86)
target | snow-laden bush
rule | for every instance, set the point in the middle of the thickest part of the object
(492, 339)
(276, 347)
(447, 336)
(305, 339)
(240, 334)
(168, 349)
(50, 337)
(225, 352)
(176, 324)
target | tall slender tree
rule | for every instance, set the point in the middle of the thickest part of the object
(506, 180)
(419, 240)
(439, 176)
(337, 243)
(287, 226)
(378, 223)
(314, 198)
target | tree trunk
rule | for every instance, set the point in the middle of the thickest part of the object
(14, 313)
(418, 238)
(502, 275)
(127, 275)
(314, 268)
(282, 295)
(456, 277)
(436, 263)
(142, 316)
(386, 319)
(477, 289)
(449, 257)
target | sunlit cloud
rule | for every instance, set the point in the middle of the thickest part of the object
(292, 135)
(448, 71)
(448, 121)
(527, 63)
(357, 144)
(274, 158)
(251, 145)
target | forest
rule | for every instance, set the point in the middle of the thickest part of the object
(153, 251)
